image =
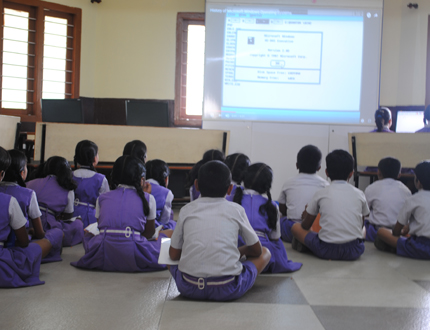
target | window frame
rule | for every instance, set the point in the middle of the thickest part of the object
(42, 8)
(184, 19)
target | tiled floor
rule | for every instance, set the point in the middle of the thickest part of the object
(379, 291)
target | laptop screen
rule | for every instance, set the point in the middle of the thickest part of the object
(409, 121)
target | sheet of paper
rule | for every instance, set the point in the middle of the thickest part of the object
(164, 258)
(93, 229)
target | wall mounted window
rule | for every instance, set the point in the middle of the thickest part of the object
(40, 48)
(190, 53)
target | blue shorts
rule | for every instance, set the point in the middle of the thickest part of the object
(345, 251)
(222, 288)
(286, 225)
(417, 247)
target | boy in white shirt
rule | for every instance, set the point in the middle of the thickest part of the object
(385, 197)
(413, 219)
(205, 242)
(342, 208)
(300, 189)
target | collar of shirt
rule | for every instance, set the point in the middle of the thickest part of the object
(339, 182)
(152, 181)
(6, 183)
(251, 192)
(126, 186)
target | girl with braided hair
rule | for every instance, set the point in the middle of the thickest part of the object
(263, 215)
(90, 183)
(126, 221)
(55, 191)
(238, 164)
(157, 174)
(13, 184)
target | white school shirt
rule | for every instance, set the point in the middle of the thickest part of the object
(342, 208)
(33, 208)
(167, 210)
(207, 231)
(298, 191)
(151, 203)
(17, 219)
(385, 199)
(86, 173)
(274, 234)
(416, 212)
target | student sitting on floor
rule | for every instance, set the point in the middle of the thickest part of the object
(14, 184)
(126, 220)
(205, 242)
(19, 264)
(157, 174)
(54, 188)
(90, 183)
(135, 148)
(263, 215)
(300, 189)
(385, 197)
(413, 219)
(209, 155)
(238, 164)
(342, 208)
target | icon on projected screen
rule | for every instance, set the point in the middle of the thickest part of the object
(251, 40)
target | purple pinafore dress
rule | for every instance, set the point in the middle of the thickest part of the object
(279, 262)
(86, 196)
(160, 194)
(54, 236)
(18, 266)
(120, 247)
(53, 199)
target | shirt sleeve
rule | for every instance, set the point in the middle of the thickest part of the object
(178, 234)
(97, 209)
(313, 207)
(33, 209)
(105, 186)
(276, 234)
(365, 208)
(282, 197)
(167, 210)
(246, 231)
(368, 195)
(70, 202)
(17, 219)
(152, 208)
(405, 213)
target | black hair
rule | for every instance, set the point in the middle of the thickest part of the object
(17, 165)
(214, 178)
(135, 148)
(309, 159)
(339, 165)
(426, 118)
(382, 117)
(422, 173)
(389, 168)
(259, 177)
(212, 154)
(85, 152)
(158, 170)
(4, 159)
(59, 167)
(237, 163)
(130, 170)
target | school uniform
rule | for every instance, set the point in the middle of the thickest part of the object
(342, 207)
(163, 198)
(416, 213)
(194, 194)
(209, 267)
(30, 208)
(54, 200)
(90, 186)
(269, 238)
(296, 193)
(19, 267)
(385, 199)
(120, 247)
